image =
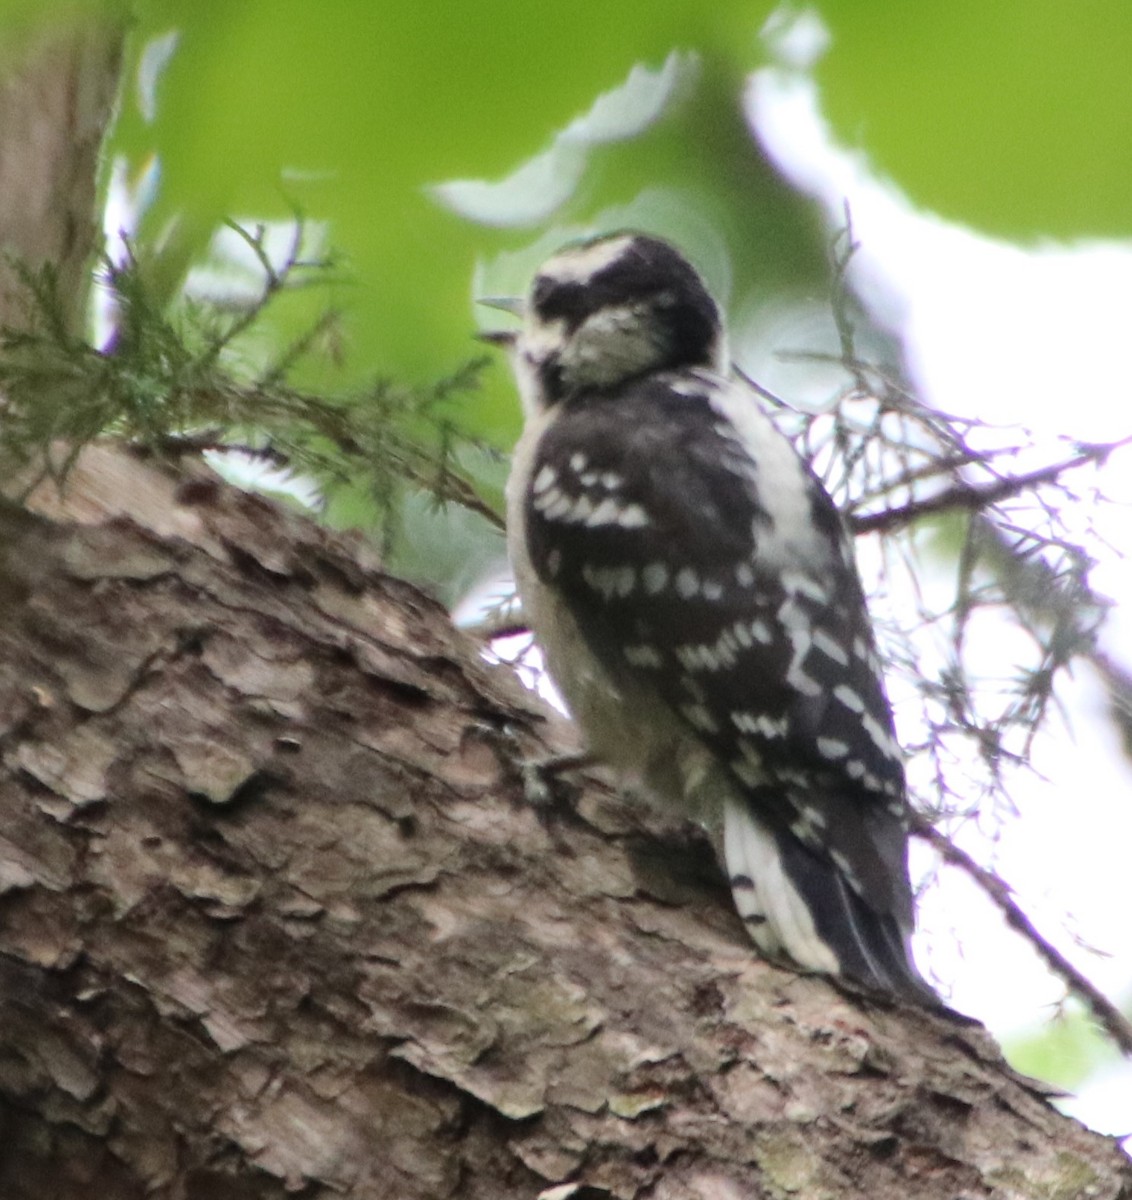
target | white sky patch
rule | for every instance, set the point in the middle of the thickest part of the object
(232, 272)
(1016, 334)
(126, 199)
(155, 57)
(1033, 336)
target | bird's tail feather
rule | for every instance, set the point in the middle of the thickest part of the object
(800, 904)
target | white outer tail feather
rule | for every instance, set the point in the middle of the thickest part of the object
(752, 855)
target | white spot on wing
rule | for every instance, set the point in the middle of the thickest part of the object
(847, 696)
(609, 582)
(557, 505)
(633, 516)
(796, 622)
(549, 495)
(606, 513)
(808, 825)
(700, 717)
(643, 655)
(687, 583)
(805, 585)
(814, 818)
(545, 477)
(800, 779)
(881, 738)
(832, 747)
(698, 658)
(717, 655)
(612, 511)
(654, 576)
(582, 510)
(760, 723)
(830, 647)
(795, 676)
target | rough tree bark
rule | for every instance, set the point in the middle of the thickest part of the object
(274, 916)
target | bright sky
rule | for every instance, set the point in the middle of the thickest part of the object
(1037, 337)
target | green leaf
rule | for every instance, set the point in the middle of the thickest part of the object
(1011, 117)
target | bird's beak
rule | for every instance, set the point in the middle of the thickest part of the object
(498, 337)
(507, 304)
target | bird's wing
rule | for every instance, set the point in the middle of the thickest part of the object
(714, 568)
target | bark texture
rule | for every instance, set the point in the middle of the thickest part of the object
(275, 919)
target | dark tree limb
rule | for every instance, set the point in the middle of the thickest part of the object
(274, 918)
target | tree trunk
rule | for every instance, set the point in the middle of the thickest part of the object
(57, 89)
(275, 917)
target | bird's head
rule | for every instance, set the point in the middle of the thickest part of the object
(607, 310)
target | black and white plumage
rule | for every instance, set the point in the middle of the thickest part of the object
(694, 591)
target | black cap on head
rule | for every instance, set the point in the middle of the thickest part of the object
(629, 269)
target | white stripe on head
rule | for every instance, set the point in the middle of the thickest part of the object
(577, 264)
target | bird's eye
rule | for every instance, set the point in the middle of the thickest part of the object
(552, 300)
(540, 292)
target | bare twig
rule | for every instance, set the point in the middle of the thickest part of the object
(758, 388)
(974, 496)
(1107, 1015)
(842, 250)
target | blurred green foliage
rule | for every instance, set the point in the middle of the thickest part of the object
(1013, 117)
(1063, 1052)
(351, 111)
